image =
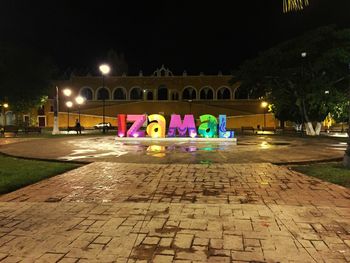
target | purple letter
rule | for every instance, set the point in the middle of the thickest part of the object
(182, 127)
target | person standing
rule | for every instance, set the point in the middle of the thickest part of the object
(77, 126)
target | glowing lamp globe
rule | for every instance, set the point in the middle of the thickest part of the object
(105, 69)
(67, 92)
(79, 100)
(69, 104)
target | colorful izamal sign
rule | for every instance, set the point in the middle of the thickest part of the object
(210, 126)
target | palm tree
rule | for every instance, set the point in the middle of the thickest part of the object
(294, 5)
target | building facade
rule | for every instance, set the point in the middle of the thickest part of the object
(162, 92)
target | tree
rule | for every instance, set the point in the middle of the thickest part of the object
(301, 77)
(25, 77)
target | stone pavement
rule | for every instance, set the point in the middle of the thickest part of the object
(110, 212)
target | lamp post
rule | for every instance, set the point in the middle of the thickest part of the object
(66, 92)
(303, 57)
(79, 100)
(264, 105)
(105, 69)
(69, 105)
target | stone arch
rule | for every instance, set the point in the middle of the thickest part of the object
(136, 93)
(103, 93)
(189, 93)
(163, 92)
(224, 93)
(87, 93)
(119, 93)
(206, 93)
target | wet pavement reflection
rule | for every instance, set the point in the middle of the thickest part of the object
(264, 148)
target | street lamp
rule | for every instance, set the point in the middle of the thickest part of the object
(105, 69)
(264, 105)
(69, 105)
(79, 100)
(66, 92)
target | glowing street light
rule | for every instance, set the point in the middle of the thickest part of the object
(69, 105)
(67, 92)
(105, 69)
(264, 105)
(79, 100)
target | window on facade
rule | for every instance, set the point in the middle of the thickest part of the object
(224, 94)
(162, 93)
(189, 94)
(119, 94)
(86, 93)
(136, 94)
(206, 94)
(103, 94)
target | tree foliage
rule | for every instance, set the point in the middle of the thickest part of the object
(301, 88)
(25, 77)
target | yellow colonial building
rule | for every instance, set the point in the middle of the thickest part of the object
(162, 92)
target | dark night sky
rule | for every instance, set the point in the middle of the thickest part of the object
(193, 35)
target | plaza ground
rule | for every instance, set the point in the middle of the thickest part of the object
(177, 203)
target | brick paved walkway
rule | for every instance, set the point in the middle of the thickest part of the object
(110, 212)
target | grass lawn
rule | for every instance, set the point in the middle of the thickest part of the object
(16, 173)
(331, 172)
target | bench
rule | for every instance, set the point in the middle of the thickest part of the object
(32, 129)
(247, 128)
(73, 128)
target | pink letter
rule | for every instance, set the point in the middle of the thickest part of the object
(134, 130)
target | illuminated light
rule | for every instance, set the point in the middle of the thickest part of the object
(193, 134)
(67, 92)
(294, 5)
(6, 105)
(208, 128)
(80, 100)
(182, 127)
(121, 135)
(105, 69)
(303, 54)
(264, 104)
(156, 128)
(326, 92)
(69, 104)
(135, 135)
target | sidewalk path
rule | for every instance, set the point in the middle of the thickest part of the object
(110, 212)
